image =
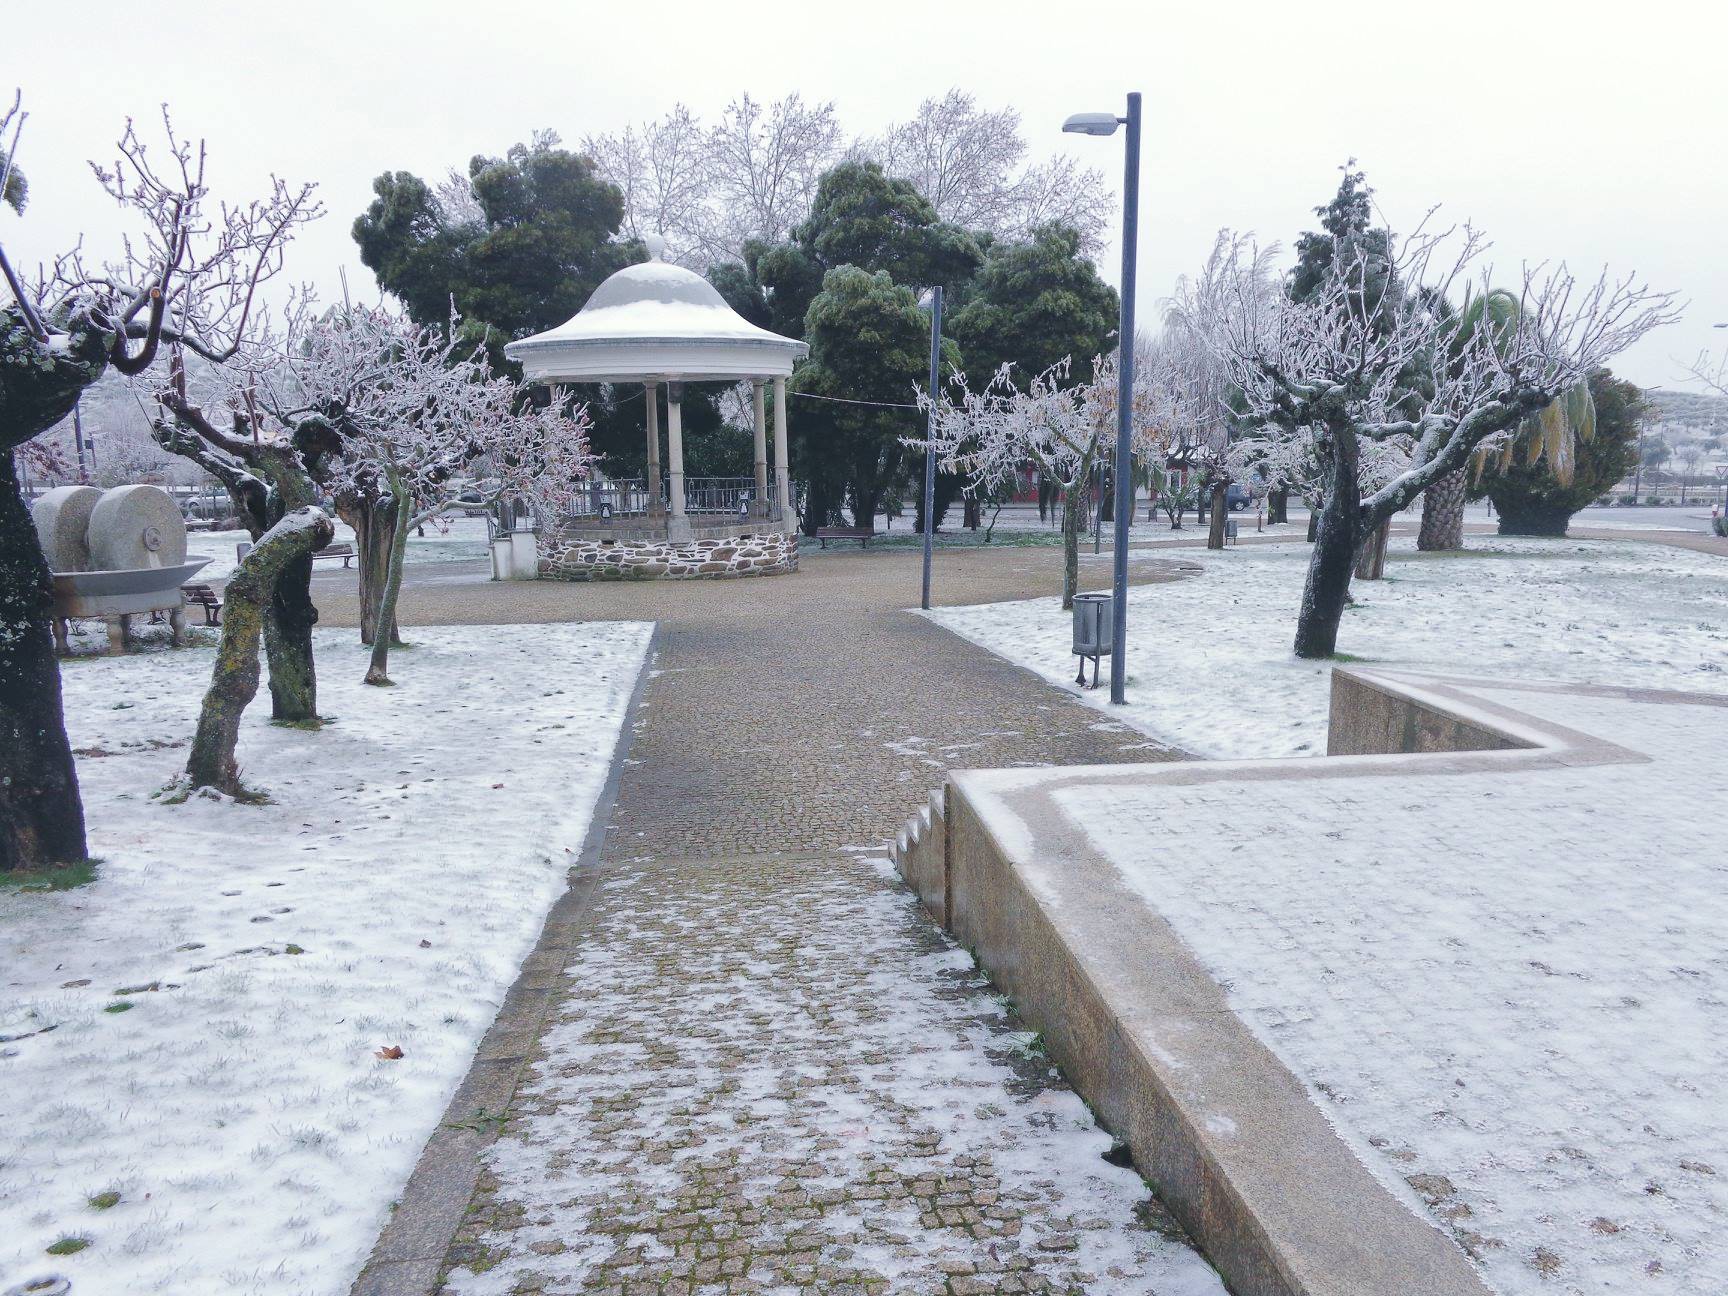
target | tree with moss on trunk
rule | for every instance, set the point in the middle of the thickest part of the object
(270, 467)
(250, 594)
(1335, 368)
(188, 273)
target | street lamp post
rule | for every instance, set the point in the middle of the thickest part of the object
(1106, 124)
(930, 446)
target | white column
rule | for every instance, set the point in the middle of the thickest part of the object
(782, 465)
(651, 479)
(760, 509)
(678, 528)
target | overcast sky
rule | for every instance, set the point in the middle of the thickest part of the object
(1581, 131)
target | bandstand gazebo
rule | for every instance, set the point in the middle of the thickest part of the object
(660, 324)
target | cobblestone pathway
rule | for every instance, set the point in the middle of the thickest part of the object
(769, 1072)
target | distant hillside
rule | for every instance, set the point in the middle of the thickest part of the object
(1691, 409)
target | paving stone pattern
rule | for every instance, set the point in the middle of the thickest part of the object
(769, 1072)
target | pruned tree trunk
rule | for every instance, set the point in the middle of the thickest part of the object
(1334, 554)
(288, 646)
(1277, 507)
(1371, 558)
(264, 481)
(41, 815)
(1220, 514)
(1443, 514)
(234, 682)
(374, 523)
(378, 672)
(1073, 515)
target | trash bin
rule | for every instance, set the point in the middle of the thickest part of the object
(1093, 624)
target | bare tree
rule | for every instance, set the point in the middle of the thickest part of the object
(271, 464)
(765, 161)
(189, 273)
(234, 680)
(426, 426)
(969, 162)
(662, 169)
(1061, 430)
(1336, 369)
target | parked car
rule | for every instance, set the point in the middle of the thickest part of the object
(1238, 496)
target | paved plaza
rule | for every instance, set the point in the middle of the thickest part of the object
(765, 1070)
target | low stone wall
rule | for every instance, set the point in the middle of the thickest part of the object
(1369, 719)
(577, 558)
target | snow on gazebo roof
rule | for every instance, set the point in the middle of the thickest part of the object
(655, 322)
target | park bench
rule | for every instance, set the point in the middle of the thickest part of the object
(863, 535)
(205, 597)
(343, 551)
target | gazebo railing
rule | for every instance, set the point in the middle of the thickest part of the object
(703, 496)
(610, 499)
(732, 495)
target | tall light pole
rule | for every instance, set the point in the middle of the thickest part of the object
(930, 432)
(1106, 124)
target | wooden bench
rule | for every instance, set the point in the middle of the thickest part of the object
(863, 535)
(343, 551)
(205, 597)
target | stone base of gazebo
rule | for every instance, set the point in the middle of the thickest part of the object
(580, 555)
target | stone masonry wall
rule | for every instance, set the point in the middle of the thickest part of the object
(577, 558)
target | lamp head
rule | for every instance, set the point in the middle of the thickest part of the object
(1091, 124)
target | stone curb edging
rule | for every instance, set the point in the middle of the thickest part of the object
(410, 1250)
(1234, 1142)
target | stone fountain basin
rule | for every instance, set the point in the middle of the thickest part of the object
(116, 593)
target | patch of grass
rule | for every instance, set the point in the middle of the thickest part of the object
(124, 1005)
(292, 948)
(314, 724)
(482, 1122)
(71, 1244)
(61, 877)
(105, 1200)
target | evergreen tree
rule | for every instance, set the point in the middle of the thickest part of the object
(889, 233)
(1034, 303)
(1532, 498)
(519, 245)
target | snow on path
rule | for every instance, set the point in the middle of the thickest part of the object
(1506, 988)
(1210, 668)
(385, 898)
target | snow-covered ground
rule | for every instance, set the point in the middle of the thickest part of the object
(1210, 667)
(458, 539)
(1505, 988)
(198, 1032)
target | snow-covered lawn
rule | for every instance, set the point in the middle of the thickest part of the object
(198, 1032)
(1505, 988)
(1210, 667)
(460, 539)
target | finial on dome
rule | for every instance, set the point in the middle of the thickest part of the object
(656, 245)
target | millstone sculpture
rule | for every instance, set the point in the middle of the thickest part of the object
(114, 553)
(62, 516)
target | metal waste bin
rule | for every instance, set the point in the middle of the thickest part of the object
(1093, 621)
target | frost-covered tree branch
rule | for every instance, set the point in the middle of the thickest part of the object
(1379, 356)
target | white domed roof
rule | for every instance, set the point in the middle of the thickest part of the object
(655, 321)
